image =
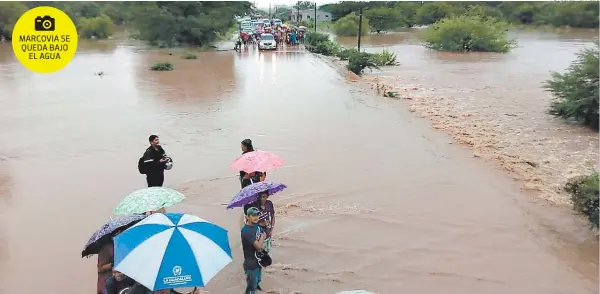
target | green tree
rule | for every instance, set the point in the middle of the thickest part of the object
(576, 91)
(119, 12)
(190, 23)
(384, 19)
(100, 27)
(556, 13)
(304, 5)
(468, 33)
(408, 11)
(484, 11)
(574, 14)
(9, 14)
(431, 12)
(348, 25)
(344, 8)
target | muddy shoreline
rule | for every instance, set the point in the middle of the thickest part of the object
(526, 160)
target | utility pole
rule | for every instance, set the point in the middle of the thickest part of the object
(298, 14)
(360, 13)
(315, 17)
(269, 10)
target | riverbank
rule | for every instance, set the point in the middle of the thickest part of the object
(499, 123)
(534, 148)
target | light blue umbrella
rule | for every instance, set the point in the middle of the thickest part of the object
(172, 250)
(148, 199)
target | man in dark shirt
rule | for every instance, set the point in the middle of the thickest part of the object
(155, 160)
(252, 242)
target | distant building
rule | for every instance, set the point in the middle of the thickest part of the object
(309, 15)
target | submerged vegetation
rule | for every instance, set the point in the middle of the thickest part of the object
(576, 91)
(162, 66)
(188, 55)
(585, 196)
(468, 33)
(357, 61)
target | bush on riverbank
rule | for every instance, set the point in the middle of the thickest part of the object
(385, 58)
(585, 196)
(100, 27)
(348, 25)
(576, 91)
(359, 61)
(345, 53)
(321, 44)
(468, 33)
(162, 66)
(313, 38)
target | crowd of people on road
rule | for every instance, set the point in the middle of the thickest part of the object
(256, 231)
(282, 34)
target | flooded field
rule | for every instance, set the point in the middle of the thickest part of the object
(377, 200)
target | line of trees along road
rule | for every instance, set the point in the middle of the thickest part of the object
(387, 15)
(165, 24)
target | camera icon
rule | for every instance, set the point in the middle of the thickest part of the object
(44, 24)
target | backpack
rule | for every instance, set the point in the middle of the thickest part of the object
(142, 166)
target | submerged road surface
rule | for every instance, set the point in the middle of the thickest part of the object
(376, 199)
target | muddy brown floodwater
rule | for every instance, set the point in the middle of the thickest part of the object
(377, 200)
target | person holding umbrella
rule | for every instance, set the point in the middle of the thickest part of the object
(101, 243)
(254, 164)
(266, 208)
(171, 250)
(253, 177)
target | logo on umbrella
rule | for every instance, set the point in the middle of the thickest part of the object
(177, 278)
(177, 270)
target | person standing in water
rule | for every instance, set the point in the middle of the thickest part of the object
(266, 206)
(252, 242)
(155, 160)
(249, 178)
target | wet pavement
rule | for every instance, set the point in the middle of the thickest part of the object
(376, 200)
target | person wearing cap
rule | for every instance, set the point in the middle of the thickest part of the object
(253, 238)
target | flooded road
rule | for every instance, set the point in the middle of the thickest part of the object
(376, 200)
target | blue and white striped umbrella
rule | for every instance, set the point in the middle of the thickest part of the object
(172, 250)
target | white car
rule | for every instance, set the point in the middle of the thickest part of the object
(267, 42)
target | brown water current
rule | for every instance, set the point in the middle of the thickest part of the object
(377, 199)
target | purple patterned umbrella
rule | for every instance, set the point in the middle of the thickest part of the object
(250, 193)
(97, 240)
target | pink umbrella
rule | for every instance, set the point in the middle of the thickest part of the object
(261, 161)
